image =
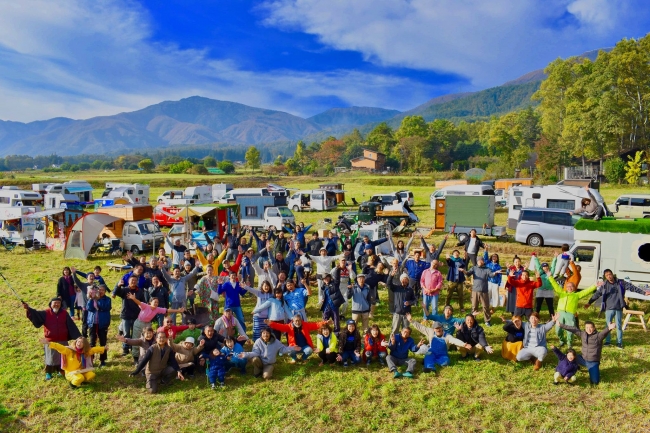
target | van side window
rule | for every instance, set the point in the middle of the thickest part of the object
(273, 213)
(637, 201)
(132, 230)
(561, 204)
(487, 192)
(250, 211)
(532, 215)
(517, 207)
(537, 195)
(584, 254)
(623, 201)
(557, 218)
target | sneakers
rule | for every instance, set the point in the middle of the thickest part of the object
(477, 359)
(619, 346)
(426, 370)
(397, 375)
(213, 386)
(345, 364)
(408, 375)
(48, 376)
(488, 324)
(222, 384)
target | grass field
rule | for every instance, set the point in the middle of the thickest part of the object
(493, 395)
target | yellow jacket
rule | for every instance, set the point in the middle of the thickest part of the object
(72, 363)
(569, 301)
(333, 347)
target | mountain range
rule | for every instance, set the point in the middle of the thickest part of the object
(200, 121)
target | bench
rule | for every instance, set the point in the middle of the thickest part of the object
(630, 314)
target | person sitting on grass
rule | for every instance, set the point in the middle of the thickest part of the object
(399, 347)
(326, 345)
(349, 344)
(217, 368)
(447, 320)
(185, 354)
(228, 323)
(514, 339)
(592, 346)
(76, 360)
(232, 349)
(160, 363)
(372, 347)
(567, 366)
(473, 337)
(298, 335)
(438, 345)
(265, 352)
(535, 340)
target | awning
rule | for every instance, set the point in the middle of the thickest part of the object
(44, 213)
(78, 188)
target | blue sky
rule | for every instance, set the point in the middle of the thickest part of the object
(81, 59)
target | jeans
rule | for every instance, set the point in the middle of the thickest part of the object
(305, 351)
(71, 301)
(593, 368)
(350, 355)
(430, 302)
(176, 305)
(160, 318)
(618, 316)
(127, 328)
(239, 314)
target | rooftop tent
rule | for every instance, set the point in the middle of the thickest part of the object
(83, 234)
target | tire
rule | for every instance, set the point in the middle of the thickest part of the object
(393, 224)
(296, 208)
(535, 240)
(135, 250)
(343, 225)
(159, 201)
(461, 237)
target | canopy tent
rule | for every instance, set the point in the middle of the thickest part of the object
(45, 213)
(83, 234)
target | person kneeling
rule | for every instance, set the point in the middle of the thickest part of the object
(399, 347)
(567, 366)
(349, 344)
(77, 360)
(160, 363)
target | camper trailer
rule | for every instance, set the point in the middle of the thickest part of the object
(313, 199)
(198, 194)
(622, 245)
(549, 196)
(460, 190)
(13, 197)
(80, 188)
(219, 189)
(16, 224)
(119, 193)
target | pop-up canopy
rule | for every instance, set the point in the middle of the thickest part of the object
(83, 234)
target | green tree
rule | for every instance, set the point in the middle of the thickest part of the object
(633, 171)
(299, 154)
(146, 164)
(209, 161)
(278, 161)
(97, 164)
(253, 158)
(226, 166)
(180, 167)
(381, 138)
(106, 165)
(84, 166)
(66, 166)
(412, 126)
(614, 169)
(199, 169)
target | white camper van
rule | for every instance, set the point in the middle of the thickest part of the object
(549, 196)
(16, 224)
(80, 188)
(133, 193)
(313, 199)
(232, 195)
(13, 197)
(460, 190)
(632, 206)
(198, 194)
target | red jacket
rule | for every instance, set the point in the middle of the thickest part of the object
(525, 291)
(234, 267)
(171, 331)
(306, 328)
(373, 345)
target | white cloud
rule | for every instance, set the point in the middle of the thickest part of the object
(487, 41)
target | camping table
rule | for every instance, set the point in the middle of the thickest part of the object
(118, 267)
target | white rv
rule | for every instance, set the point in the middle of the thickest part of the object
(548, 196)
(80, 188)
(118, 193)
(460, 190)
(313, 199)
(198, 194)
(14, 197)
(16, 225)
(232, 195)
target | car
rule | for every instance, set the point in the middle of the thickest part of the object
(407, 196)
(171, 194)
(545, 227)
(386, 198)
(632, 206)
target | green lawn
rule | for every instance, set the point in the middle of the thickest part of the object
(493, 395)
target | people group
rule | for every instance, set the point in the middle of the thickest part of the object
(282, 268)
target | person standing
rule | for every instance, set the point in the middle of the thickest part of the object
(403, 299)
(481, 274)
(431, 283)
(130, 310)
(613, 294)
(456, 278)
(472, 245)
(545, 292)
(567, 307)
(99, 320)
(360, 295)
(492, 262)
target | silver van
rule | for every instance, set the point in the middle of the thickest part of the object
(545, 227)
(632, 206)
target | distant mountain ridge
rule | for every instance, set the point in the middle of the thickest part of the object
(199, 121)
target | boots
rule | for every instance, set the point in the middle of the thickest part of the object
(538, 365)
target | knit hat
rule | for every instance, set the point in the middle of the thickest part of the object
(437, 325)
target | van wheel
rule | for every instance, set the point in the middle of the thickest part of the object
(535, 241)
(159, 201)
(296, 209)
(462, 237)
(135, 250)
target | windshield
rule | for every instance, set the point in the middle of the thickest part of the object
(285, 212)
(148, 228)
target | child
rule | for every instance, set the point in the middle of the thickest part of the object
(567, 366)
(372, 347)
(146, 340)
(231, 350)
(592, 346)
(563, 261)
(185, 354)
(76, 360)
(326, 345)
(217, 368)
(79, 303)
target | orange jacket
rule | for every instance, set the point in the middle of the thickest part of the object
(575, 275)
(525, 291)
(306, 328)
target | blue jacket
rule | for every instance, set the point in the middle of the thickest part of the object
(493, 267)
(414, 269)
(453, 266)
(276, 310)
(142, 281)
(231, 293)
(297, 299)
(401, 348)
(102, 313)
(216, 363)
(332, 245)
(447, 324)
(300, 234)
